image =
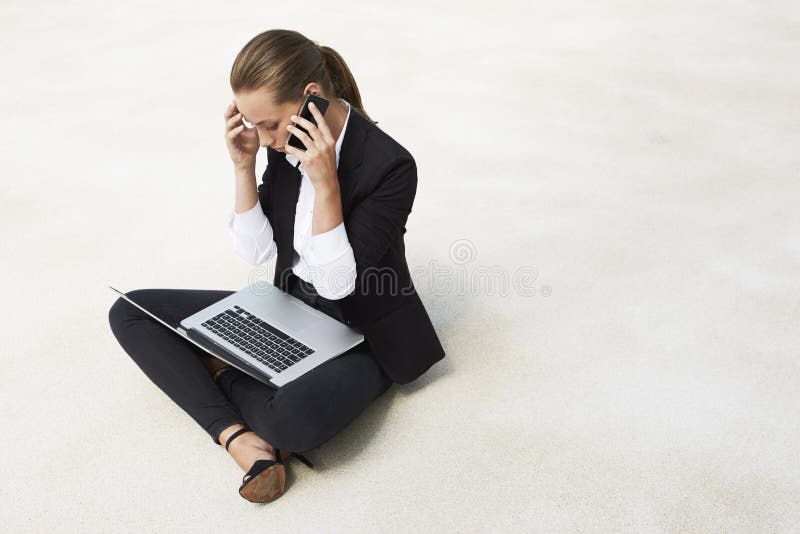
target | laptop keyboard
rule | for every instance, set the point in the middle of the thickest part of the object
(258, 339)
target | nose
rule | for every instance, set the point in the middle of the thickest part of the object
(263, 139)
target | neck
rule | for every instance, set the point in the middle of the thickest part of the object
(335, 116)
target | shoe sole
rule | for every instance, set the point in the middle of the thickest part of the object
(265, 486)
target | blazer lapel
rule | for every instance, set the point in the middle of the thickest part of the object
(285, 192)
(286, 189)
(350, 157)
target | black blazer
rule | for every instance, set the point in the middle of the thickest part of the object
(378, 182)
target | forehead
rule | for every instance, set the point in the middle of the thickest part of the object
(257, 106)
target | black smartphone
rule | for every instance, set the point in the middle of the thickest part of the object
(322, 106)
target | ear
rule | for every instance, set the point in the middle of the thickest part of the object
(312, 88)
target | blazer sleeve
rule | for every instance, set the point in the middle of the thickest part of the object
(378, 221)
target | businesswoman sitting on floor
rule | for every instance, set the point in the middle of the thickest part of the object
(335, 215)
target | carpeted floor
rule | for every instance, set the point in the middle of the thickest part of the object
(605, 235)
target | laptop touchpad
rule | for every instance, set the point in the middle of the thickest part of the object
(296, 316)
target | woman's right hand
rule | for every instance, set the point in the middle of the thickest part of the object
(242, 141)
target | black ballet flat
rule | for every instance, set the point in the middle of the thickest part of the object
(266, 479)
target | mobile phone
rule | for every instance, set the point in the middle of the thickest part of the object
(322, 106)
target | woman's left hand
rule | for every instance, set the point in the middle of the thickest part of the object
(319, 158)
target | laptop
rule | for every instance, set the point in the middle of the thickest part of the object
(265, 332)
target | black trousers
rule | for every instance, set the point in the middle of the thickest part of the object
(299, 416)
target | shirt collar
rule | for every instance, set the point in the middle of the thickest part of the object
(291, 158)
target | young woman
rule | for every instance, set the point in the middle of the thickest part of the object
(334, 214)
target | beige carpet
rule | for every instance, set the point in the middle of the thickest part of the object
(624, 173)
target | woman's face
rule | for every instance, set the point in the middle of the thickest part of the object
(270, 121)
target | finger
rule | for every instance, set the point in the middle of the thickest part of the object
(308, 125)
(234, 121)
(234, 132)
(230, 110)
(300, 134)
(321, 124)
(296, 152)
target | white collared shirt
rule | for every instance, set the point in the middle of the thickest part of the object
(325, 260)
